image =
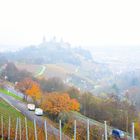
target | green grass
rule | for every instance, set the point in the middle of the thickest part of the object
(4, 91)
(6, 110)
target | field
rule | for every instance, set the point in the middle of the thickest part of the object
(56, 70)
(48, 70)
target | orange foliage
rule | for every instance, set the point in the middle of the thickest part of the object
(30, 87)
(54, 103)
(34, 91)
(75, 105)
(24, 84)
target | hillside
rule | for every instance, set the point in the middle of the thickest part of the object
(73, 65)
(50, 52)
(85, 79)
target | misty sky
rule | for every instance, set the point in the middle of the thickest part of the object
(80, 22)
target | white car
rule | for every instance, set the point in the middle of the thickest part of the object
(38, 112)
(31, 107)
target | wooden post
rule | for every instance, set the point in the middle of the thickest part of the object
(45, 129)
(9, 128)
(88, 134)
(35, 130)
(60, 129)
(16, 129)
(2, 127)
(133, 131)
(26, 128)
(75, 130)
(105, 130)
(19, 129)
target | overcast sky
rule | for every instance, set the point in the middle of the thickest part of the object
(80, 22)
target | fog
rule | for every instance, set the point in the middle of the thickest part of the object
(109, 29)
(87, 23)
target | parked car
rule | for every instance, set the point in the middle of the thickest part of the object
(31, 107)
(38, 112)
(118, 133)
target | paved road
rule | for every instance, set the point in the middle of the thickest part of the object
(22, 107)
(41, 72)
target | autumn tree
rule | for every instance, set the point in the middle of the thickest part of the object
(30, 88)
(54, 103)
(118, 112)
(34, 91)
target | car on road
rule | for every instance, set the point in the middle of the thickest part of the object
(31, 107)
(38, 112)
(116, 133)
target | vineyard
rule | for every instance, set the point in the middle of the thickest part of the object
(14, 125)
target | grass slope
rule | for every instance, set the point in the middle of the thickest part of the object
(6, 110)
(4, 91)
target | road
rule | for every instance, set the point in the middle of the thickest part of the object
(22, 107)
(41, 72)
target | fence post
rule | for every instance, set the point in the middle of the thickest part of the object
(45, 128)
(60, 129)
(133, 131)
(35, 130)
(2, 127)
(19, 129)
(88, 134)
(26, 128)
(75, 130)
(105, 130)
(9, 127)
(16, 129)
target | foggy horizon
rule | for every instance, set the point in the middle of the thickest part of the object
(81, 23)
(7, 47)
